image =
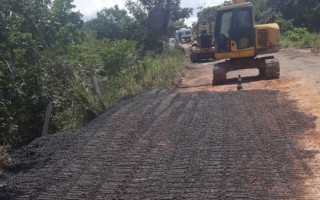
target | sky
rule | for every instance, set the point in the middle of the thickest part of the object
(90, 8)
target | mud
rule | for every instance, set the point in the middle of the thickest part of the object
(196, 142)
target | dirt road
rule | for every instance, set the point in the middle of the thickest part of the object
(196, 142)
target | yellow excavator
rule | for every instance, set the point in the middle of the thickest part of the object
(240, 41)
(204, 47)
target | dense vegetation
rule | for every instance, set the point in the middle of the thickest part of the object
(48, 56)
(299, 20)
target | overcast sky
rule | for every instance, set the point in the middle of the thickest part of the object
(90, 8)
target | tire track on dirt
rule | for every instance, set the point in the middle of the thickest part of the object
(125, 171)
(110, 146)
(164, 145)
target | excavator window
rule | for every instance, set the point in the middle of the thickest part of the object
(203, 32)
(225, 30)
(204, 36)
(226, 24)
(243, 29)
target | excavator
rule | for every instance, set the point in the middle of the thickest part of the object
(204, 47)
(242, 43)
(237, 39)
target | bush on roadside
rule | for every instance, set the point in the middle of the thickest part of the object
(45, 59)
(285, 25)
(299, 38)
(126, 77)
(316, 44)
(150, 72)
(37, 71)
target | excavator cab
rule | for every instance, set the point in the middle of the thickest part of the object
(204, 34)
(234, 32)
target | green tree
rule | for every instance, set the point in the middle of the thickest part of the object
(67, 23)
(31, 76)
(117, 55)
(178, 17)
(208, 13)
(141, 29)
(113, 23)
(21, 103)
(304, 13)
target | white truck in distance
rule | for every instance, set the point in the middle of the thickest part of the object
(183, 36)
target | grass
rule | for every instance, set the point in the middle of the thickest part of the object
(151, 72)
(316, 44)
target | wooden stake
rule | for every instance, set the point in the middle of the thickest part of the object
(97, 89)
(47, 120)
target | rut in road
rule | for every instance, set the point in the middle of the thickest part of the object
(236, 145)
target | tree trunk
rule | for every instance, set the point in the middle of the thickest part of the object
(159, 17)
(167, 17)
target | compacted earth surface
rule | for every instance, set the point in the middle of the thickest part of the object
(193, 142)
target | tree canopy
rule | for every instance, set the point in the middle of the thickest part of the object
(288, 13)
(34, 33)
(115, 23)
(142, 8)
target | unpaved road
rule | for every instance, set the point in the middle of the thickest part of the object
(196, 142)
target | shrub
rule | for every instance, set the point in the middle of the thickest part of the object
(298, 38)
(65, 82)
(150, 72)
(297, 34)
(316, 44)
(285, 25)
(117, 54)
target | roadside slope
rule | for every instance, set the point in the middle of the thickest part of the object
(173, 145)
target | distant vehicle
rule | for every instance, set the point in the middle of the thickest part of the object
(183, 36)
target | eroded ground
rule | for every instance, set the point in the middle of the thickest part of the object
(196, 142)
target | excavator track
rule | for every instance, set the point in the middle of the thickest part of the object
(219, 74)
(194, 57)
(269, 68)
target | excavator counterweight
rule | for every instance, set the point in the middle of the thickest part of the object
(238, 1)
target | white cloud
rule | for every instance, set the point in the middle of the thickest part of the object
(200, 3)
(208, 3)
(89, 8)
(195, 4)
(190, 20)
